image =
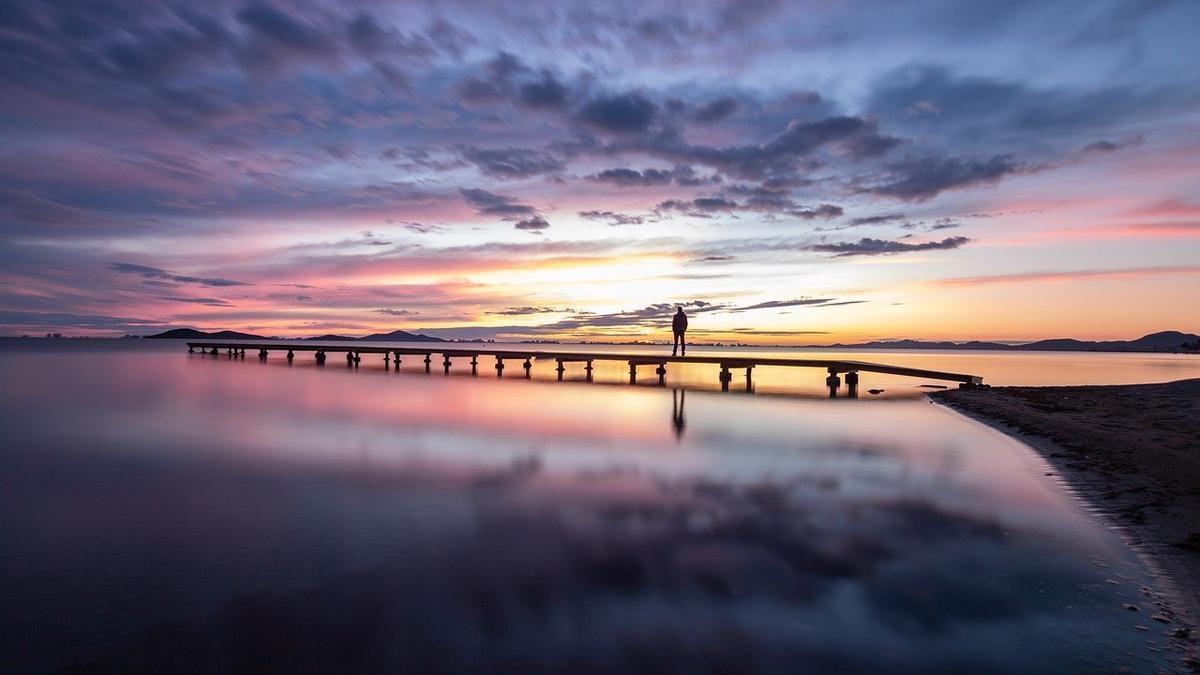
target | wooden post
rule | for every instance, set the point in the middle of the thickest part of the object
(427, 362)
(499, 366)
(833, 382)
(446, 364)
(191, 350)
(528, 367)
(320, 358)
(632, 372)
(290, 357)
(474, 364)
(852, 384)
(588, 370)
(662, 373)
(725, 377)
(749, 381)
(396, 358)
(262, 355)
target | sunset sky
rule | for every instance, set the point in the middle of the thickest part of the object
(792, 172)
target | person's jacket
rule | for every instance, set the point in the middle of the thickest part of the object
(679, 323)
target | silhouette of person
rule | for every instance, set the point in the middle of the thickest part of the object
(677, 420)
(679, 327)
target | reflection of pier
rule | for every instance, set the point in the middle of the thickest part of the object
(834, 367)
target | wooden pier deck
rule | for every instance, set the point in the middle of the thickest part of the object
(834, 368)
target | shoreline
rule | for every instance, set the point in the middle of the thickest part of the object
(1131, 453)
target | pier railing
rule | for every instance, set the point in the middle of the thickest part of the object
(834, 368)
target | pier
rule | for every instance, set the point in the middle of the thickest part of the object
(835, 369)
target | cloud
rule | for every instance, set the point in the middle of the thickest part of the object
(800, 302)
(632, 177)
(396, 312)
(1110, 146)
(535, 224)
(780, 157)
(700, 207)
(34, 321)
(612, 217)
(509, 163)
(681, 174)
(491, 204)
(923, 179)
(547, 93)
(621, 114)
(495, 83)
(528, 310)
(156, 273)
(716, 110)
(1068, 275)
(211, 302)
(877, 220)
(869, 246)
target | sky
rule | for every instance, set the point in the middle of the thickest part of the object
(789, 172)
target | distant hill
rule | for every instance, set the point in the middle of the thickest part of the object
(193, 334)
(394, 336)
(400, 336)
(1165, 341)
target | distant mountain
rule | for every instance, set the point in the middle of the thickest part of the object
(920, 344)
(193, 334)
(332, 338)
(1165, 341)
(400, 336)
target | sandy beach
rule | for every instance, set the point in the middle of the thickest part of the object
(1132, 452)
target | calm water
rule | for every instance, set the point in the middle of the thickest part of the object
(166, 512)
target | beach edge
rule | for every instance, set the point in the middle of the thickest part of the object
(1112, 496)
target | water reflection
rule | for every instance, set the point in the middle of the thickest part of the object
(677, 420)
(162, 513)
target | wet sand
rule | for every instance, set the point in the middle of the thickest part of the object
(1132, 452)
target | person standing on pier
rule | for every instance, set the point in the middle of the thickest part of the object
(679, 327)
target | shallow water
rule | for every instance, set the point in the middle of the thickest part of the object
(170, 512)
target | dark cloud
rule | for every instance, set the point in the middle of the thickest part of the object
(681, 174)
(923, 179)
(210, 302)
(869, 246)
(612, 217)
(780, 157)
(547, 93)
(1111, 146)
(712, 259)
(512, 162)
(971, 109)
(801, 302)
(156, 273)
(495, 83)
(528, 310)
(633, 177)
(492, 204)
(701, 207)
(33, 321)
(716, 110)
(772, 199)
(877, 220)
(281, 27)
(945, 224)
(622, 114)
(396, 312)
(534, 224)
(823, 211)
